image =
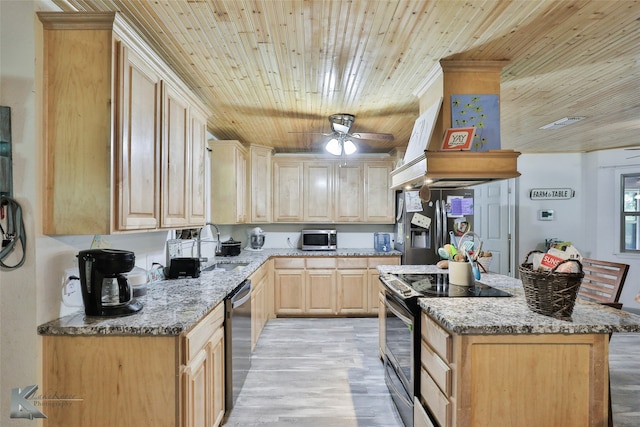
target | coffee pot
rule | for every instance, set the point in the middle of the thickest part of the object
(255, 237)
(106, 291)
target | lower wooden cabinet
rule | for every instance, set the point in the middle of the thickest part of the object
(261, 300)
(132, 381)
(512, 380)
(203, 372)
(328, 286)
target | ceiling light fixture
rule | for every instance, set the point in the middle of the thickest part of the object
(341, 145)
(563, 122)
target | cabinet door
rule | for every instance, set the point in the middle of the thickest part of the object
(197, 377)
(353, 291)
(318, 191)
(289, 291)
(138, 145)
(175, 152)
(320, 292)
(260, 184)
(216, 354)
(287, 191)
(379, 199)
(241, 187)
(196, 195)
(348, 194)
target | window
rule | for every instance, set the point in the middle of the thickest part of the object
(630, 216)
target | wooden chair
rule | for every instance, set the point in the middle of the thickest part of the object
(603, 281)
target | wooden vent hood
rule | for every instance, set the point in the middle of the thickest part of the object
(453, 169)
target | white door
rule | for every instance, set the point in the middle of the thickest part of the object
(494, 219)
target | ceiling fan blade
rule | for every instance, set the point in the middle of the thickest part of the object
(373, 136)
(313, 133)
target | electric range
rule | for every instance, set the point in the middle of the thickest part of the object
(415, 285)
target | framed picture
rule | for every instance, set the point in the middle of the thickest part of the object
(458, 138)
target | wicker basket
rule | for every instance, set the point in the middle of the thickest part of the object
(548, 292)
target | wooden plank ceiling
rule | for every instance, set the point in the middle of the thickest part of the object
(271, 70)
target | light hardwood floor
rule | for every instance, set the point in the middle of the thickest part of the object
(326, 373)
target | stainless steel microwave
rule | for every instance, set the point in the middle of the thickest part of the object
(319, 240)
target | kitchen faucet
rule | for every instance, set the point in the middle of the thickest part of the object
(199, 242)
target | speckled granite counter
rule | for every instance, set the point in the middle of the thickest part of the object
(172, 307)
(511, 315)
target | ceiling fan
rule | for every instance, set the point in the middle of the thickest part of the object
(341, 141)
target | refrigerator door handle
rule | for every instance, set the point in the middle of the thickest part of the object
(443, 223)
(438, 234)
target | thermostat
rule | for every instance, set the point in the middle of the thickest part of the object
(545, 215)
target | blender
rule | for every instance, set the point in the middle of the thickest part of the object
(255, 239)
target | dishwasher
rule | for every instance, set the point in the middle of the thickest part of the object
(237, 342)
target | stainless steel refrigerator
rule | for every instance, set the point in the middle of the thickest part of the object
(422, 227)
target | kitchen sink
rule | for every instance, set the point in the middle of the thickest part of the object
(226, 266)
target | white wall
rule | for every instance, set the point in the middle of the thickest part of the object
(588, 220)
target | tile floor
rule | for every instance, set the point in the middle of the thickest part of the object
(329, 375)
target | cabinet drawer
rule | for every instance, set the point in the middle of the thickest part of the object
(437, 338)
(321, 262)
(420, 417)
(282, 263)
(439, 371)
(199, 335)
(436, 402)
(352, 263)
(384, 260)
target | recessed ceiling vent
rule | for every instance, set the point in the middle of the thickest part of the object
(565, 121)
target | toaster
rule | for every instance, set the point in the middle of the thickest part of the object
(184, 267)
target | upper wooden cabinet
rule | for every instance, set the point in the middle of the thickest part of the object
(260, 183)
(318, 190)
(122, 131)
(228, 185)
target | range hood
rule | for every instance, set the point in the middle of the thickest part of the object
(424, 163)
(456, 169)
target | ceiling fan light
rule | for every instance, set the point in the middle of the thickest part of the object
(349, 147)
(333, 147)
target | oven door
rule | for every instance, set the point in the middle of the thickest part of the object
(400, 333)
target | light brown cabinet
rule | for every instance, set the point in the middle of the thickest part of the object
(260, 183)
(203, 372)
(228, 185)
(169, 380)
(261, 300)
(460, 385)
(319, 190)
(349, 193)
(105, 124)
(287, 191)
(328, 286)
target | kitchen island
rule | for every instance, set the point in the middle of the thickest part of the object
(492, 361)
(163, 366)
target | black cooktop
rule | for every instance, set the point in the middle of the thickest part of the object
(437, 285)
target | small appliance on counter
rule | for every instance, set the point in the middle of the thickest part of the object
(105, 288)
(230, 247)
(255, 239)
(183, 267)
(381, 242)
(138, 278)
(319, 240)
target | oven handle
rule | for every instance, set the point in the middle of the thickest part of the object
(396, 391)
(392, 306)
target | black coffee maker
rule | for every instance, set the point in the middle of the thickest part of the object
(105, 288)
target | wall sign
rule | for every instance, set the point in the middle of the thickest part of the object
(551, 193)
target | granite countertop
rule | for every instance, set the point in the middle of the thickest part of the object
(511, 315)
(172, 307)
